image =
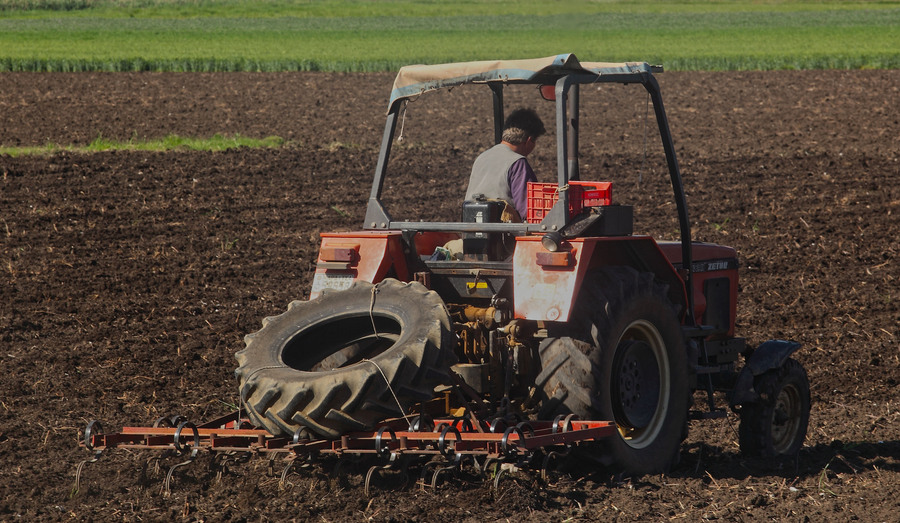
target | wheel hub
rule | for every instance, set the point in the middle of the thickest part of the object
(635, 384)
(785, 418)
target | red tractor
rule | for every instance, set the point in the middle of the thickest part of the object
(566, 313)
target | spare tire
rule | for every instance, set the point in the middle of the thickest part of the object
(346, 360)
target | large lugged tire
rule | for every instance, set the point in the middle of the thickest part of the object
(343, 362)
(776, 424)
(623, 360)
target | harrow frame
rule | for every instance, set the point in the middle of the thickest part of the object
(442, 444)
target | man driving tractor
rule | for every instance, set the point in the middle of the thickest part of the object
(503, 172)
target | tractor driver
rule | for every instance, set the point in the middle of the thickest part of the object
(502, 172)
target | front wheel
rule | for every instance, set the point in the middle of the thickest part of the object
(775, 425)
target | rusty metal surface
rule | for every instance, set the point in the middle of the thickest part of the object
(231, 434)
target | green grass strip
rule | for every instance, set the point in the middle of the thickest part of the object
(171, 142)
(283, 35)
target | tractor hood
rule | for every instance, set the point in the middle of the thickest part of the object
(413, 80)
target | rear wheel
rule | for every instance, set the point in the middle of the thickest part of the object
(623, 360)
(776, 424)
(346, 360)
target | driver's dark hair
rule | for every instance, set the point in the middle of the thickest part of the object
(522, 124)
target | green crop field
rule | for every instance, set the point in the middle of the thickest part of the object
(217, 142)
(366, 35)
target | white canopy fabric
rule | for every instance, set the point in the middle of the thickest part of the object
(413, 80)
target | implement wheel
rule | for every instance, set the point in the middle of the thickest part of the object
(623, 360)
(344, 361)
(776, 424)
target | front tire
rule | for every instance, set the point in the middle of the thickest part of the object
(624, 360)
(346, 360)
(776, 424)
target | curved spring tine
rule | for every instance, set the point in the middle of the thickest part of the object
(457, 461)
(335, 477)
(282, 483)
(167, 483)
(567, 422)
(442, 440)
(380, 468)
(369, 474)
(545, 466)
(525, 425)
(77, 486)
(181, 448)
(383, 450)
(222, 460)
(92, 427)
(437, 474)
(425, 472)
(504, 443)
(500, 473)
(464, 422)
(421, 423)
(219, 463)
(176, 440)
(554, 427)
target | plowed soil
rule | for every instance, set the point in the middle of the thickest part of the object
(130, 278)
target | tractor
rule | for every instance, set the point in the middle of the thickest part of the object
(567, 313)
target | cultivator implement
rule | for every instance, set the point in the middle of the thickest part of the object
(438, 447)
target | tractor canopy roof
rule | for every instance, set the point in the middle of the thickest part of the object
(413, 80)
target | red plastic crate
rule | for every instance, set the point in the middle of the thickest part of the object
(542, 196)
(595, 194)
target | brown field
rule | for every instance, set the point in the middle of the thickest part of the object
(130, 278)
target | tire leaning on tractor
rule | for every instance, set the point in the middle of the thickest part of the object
(343, 361)
(623, 359)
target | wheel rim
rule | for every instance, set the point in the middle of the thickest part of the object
(786, 419)
(640, 383)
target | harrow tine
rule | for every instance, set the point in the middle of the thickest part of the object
(439, 467)
(454, 468)
(423, 485)
(503, 470)
(500, 471)
(282, 483)
(195, 448)
(221, 461)
(92, 427)
(545, 466)
(77, 486)
(396, 460)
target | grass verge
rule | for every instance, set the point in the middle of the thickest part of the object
(171, 142)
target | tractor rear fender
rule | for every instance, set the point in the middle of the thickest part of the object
(360, 255)
(769, 355)
(547, 283)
